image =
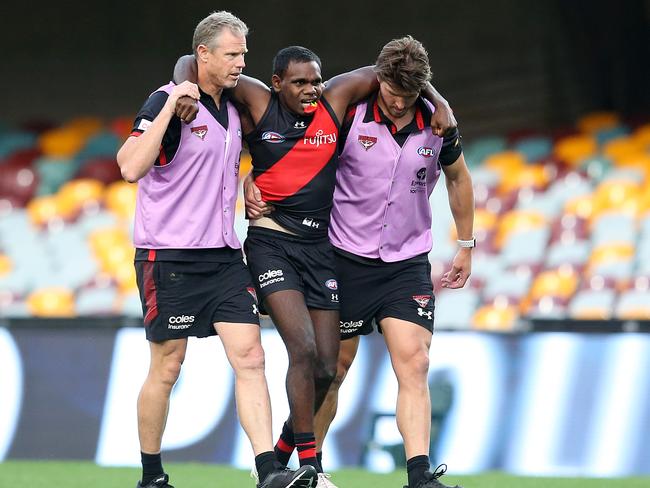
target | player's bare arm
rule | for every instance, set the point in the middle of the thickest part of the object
(349, 88)
(138, 154)
(461, 202)
(443, 119)
(249, 92)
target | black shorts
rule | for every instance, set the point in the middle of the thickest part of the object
(182, 299)
(279, 261)
(372, 292)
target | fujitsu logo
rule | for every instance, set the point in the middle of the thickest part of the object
(319, 138)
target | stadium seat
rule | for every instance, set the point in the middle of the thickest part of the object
(61, 143)
(598, 121)
(13, 141)
(633, 305)
(119, 198)
(495, 318)
(518, 221)
(534, 148)
(622, 148)
(454, 308)
(557, 283)
(573, 150)
(510, 284)
(76, 195)
(525, 246)
(592, 305)
(96, 301)
(5, 265)
(51, 302)
(575, 253)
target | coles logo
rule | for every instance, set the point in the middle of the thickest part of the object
(426, 152)
(272, 137)
(332, 284)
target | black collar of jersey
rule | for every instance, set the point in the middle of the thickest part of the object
(374, 113)
(220, 113)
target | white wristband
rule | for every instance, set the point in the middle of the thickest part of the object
(470, 243)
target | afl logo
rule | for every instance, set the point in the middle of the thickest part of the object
(272, 137)
(426, 152)
(331, 284)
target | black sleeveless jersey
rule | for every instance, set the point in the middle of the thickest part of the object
(294, 165)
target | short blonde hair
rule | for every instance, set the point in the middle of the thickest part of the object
(209, 28)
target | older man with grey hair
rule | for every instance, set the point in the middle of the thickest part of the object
(189, 264)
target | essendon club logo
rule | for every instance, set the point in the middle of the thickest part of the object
(422, 300)
(251, 290)
(200, 131)
(367, 141)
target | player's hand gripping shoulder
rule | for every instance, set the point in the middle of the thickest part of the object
(255, 206)
(443, 119)
(186, 108)
(138, 154)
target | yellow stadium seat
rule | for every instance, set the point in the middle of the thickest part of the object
(574, 149)
(85, 126)
(622, 148)
(75, 194)
(593, 313)
(617, 195)
(124, 275)
(103, 240)
(598, 121)
(582, 206)
(495, 318)
(61, 143)
(636, 313)
(119, 198)
(43, 209)
(612, 253)
(638, 161)
(642, 136)
(522, 177)
(518, 220)
(5, 265)
(51, 302)
(555, 283)
(505, 162)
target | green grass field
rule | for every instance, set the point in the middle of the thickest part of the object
(19, 474)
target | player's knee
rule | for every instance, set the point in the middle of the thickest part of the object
(325, 373)
(170, 370)
(415, 368)
(304, 357)
(250, 360)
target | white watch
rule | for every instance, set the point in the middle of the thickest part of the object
(470, 243)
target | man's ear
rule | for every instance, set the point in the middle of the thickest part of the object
(275, 83)
(202, 53)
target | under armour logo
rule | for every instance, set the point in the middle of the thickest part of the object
(423, 313)
(299, 125)
(255, 310)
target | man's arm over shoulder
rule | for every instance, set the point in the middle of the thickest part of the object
(249, 92)
(349, 88)
(139, 152)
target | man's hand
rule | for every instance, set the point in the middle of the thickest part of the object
(461, 268)
(255, 206)
(443, 119)
(186, 108)
(186, 90)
